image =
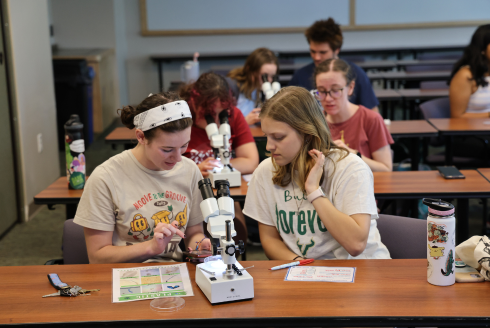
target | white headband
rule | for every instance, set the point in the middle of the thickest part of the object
(162, 114)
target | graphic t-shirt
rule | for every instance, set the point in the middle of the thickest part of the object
(363, 91)
(125, 197)
(350, 189)
(365, 131)
(200, 147)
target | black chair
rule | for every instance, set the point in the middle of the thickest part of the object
(74, 247)
(405, 238)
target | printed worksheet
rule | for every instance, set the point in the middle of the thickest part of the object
(316, 273)
(135, 284)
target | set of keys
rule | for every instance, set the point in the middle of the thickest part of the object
(65, 289)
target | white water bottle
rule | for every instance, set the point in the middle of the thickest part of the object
(440, 242)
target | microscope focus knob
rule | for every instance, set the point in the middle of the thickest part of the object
(230, 250)
(241, 246)
(226, 154)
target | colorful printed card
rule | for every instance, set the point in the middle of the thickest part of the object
(142, 283)
(316, 273)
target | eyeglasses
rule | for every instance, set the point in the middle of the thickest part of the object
(321, 95)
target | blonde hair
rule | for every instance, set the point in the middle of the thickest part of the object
(298, 108)
(246, 76)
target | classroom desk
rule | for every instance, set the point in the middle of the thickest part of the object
(121, 135)
(415, 130)
(58, 193)
(427, 62)
(449, 127)
(408, 76)
(385, 293)
(430, 184)
(485, 172)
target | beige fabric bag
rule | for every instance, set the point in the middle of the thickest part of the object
(475, 252)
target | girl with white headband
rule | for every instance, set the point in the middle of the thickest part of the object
(138, 205)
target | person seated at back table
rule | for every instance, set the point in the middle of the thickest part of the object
(248, 82)
(312, 199)
(325, 40)
(469, 89)
(354, 127)
(210, 95)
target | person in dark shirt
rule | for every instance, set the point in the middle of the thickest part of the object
(325, 40)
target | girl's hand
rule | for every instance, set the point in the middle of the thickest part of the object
(253, 116)
(208, 164)
(163, 234)
(313, 180)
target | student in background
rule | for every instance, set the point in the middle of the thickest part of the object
(354, 127)
(210, 95)
(469, 89)
(312, 199)
(325, 40)
(137, 205)
(248, 80)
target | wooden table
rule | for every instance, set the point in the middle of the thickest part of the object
(385, 293)
(122, 135)
(415, 130)
(430, 184)
(485, 172)
(58, 193)
(449, 127)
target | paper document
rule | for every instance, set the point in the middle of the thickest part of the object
(142, 283)
(316, 273)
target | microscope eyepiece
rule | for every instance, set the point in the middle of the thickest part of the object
(206, 189)
(223, 117)
(223, 188)
(209, 119)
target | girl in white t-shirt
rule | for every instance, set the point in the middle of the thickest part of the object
(311, 199)
(137, 205)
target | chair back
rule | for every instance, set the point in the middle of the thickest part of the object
(405, 238)
(74, 247)
(436, 108)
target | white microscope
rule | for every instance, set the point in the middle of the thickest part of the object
(222, 279)
(220, 142)
(270, 89)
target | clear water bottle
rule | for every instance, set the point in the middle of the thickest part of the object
(441, 243)
(74, 151)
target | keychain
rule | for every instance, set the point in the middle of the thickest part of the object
(65, 289)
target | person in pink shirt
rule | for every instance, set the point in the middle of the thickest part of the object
(360, 130)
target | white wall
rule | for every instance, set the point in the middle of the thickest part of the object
(33, 98)
(138, 75)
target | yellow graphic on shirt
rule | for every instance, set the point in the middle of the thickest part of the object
(162, 216)
(342, 138)
(181, 217)
(139, 223)
(139, 228)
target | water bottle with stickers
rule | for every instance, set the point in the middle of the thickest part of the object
(441, 242)
(74, 152)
